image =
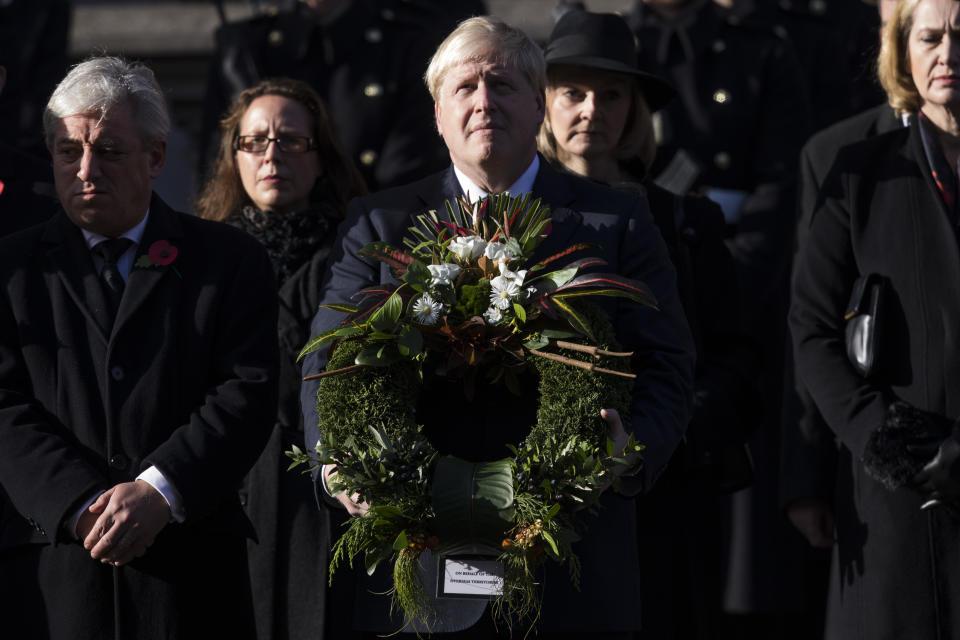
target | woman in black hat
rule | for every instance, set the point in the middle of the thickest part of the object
(599, 104)
(598, 124)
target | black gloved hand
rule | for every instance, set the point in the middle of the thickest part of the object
(940, 478)
(908, 439)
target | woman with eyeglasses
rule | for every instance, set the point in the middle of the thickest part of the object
(281, 175)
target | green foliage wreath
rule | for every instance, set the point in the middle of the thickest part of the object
(523, 507)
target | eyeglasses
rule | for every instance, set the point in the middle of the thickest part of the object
(259, 144)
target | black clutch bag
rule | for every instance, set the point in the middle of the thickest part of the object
(864, 324)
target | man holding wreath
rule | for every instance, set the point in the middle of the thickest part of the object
(487, 80)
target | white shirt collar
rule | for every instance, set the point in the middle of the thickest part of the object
(524, 183)
(135, 233)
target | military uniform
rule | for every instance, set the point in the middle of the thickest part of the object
(368, 67)
(836, 43)
(734, 133)
(33, 48)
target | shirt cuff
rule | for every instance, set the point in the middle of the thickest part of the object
(155, 479)
(76, 519)
(323, 481)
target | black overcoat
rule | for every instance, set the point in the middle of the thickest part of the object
(621, 225)
(185, 381)
(895, 567)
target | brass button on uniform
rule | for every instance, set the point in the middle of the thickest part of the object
(275, 37)
(721, 96)
(373, 35)
(368, 157)
(373, 90)
(722, 160)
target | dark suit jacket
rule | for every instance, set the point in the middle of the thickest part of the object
(895, 566)
(186, 381)
(622, 227)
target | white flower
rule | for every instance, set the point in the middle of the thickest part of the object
(493, 315)
(467, 247)
(515, 276)
(498, 252)
(502, 292)
(443, 273)
(426, 310)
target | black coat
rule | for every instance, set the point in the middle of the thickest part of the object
(680, 539)
(288, 561)
(895, 572)
(184, 382)
(622, 227)
(739, 120)
(367, 66)
(808, 461)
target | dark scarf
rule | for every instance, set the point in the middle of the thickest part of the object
(290, 239)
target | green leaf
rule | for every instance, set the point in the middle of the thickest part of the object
(401, 542)
(551, 543)
(520, 311)
(382, 440)
(375, 355)
(473, 501)
(410, 341)
(536, 343)
(559, 278)
(316, 342)
(385, 318)
(558, 334)
(554, 510)
(341, 306)
(417, 274)
(296, 450)
(387, 511)
(372, 559)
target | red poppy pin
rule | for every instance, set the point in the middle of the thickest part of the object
(160, 254)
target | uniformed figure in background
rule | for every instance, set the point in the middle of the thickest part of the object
(734, 133)
(836, 45)
(365, 58)
(33, 47)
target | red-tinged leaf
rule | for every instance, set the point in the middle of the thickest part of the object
(316, 343)
(394, 258)
(460, 231)
(610, 281)
(571, 249)
(575, 319)
(613, 293)
(586, 263)
(371, 299)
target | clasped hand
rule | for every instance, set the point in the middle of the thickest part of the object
(123, 522)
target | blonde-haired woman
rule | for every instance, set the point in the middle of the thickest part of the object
(891, 210)
(598, 123)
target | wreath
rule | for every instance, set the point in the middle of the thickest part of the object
(463, 309)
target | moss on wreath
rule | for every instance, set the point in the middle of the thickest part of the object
(376, 396)
(570, 398)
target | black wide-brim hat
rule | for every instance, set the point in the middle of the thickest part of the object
(603, 41)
